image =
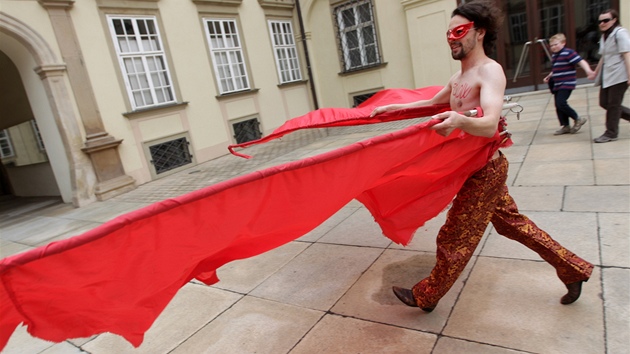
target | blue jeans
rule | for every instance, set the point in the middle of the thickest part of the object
(563, 110)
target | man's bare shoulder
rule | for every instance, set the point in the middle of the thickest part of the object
(491, 67)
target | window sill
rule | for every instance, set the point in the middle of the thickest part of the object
(145, 112)
(237, 93)
(293, 83)
(363, 69)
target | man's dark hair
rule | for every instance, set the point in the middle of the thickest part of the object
(485, 15)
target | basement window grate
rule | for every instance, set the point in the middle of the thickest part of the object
(170, 155)
(358, 99)
(247, 130)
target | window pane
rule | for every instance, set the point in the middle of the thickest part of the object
(364, 13)
(347, 17)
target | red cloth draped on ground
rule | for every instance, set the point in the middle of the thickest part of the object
(119, 276)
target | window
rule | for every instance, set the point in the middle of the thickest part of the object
(170, 155)
(6, 148)
(358, 99)
(227, 55)
(518, 27)
(551, 18)
(38, 136)
(142, 60)
(285, 51)
(247, 130)
(357, 35)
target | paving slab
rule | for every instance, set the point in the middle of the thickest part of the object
(515, 304)
(614, 229)
(193, 307)
(446, 345)
(611, 199)
(253, 325)
(371, 298)
(242, 276)
(612, 172)
(337, 334)
(572, 173)
(358, 229)
(318, 276)
(617, 308)
(575, 231)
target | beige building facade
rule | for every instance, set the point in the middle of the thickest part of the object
(124, 92)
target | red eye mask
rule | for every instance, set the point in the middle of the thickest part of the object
(459, 32)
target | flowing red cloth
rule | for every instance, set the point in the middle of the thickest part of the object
(338, 117)
(120, 276)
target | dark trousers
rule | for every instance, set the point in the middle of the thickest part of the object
(563, 110)
(610, 99)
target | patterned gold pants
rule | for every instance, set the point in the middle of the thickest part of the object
(482, 199)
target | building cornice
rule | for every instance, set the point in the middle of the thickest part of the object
(276, 4)
(218, 2)
(408, 4)
(56, 3)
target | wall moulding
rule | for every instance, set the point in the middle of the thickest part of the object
(276, 4)
(218, 2)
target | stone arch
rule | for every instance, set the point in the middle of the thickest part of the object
(52, 73)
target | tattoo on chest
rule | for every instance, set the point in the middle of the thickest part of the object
(461, 91)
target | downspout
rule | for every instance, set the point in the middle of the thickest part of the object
(308, 60)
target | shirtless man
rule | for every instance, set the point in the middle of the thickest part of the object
(484, 196)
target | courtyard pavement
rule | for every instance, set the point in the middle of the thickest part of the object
(330, 290)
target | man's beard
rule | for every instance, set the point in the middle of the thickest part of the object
(459, 55)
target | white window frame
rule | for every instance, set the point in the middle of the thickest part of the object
(285, 51)
(38, 135)
(358, 28)
(5, 144)
(227, 55)
(143, 62)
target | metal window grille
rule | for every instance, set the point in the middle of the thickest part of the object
(247, 130)
(227, 55)
(38, 136)
(358, 99)
(142, 59)
(6, 148)
(357, 34)
(170, 155)
(285, 51)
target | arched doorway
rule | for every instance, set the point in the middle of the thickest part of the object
(26, 170)
(42, 77)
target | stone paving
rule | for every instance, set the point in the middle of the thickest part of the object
(330, 290)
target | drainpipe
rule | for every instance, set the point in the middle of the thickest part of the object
(308, 60)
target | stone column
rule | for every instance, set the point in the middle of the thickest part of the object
(99, 145)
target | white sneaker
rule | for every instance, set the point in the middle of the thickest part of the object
(578, 124)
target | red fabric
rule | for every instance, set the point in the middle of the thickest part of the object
(119, 276)
(338, 117)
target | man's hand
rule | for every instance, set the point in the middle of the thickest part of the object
(379, 110)
(450, 121)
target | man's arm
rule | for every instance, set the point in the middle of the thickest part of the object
(441, 97)
(491, 94)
